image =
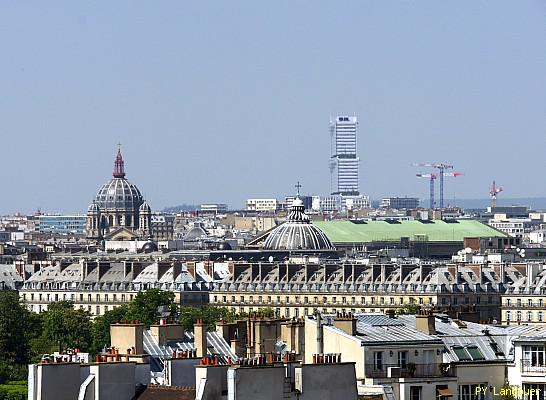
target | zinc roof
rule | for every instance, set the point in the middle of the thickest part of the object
(376, 231)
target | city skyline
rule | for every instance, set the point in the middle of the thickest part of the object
(219, 103)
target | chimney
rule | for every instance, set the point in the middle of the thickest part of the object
(320, 340)
(346, 322)
(425, 323)
(200, 338)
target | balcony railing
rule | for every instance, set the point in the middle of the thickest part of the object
(532, 368)
(409, 371)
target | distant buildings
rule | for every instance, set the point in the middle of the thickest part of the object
(62, 224)
(214, 208)
(262, 205)
(399, 203)
(344, 159)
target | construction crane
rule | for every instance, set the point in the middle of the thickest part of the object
(431, 178)
(493, 192)
(441, 167)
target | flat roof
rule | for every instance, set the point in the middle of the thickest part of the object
(378, 231)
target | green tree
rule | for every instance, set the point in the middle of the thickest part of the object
(15, 324)
(209, 314)
(144, 306)
(101, 326)
(65, 327)
(409, 309)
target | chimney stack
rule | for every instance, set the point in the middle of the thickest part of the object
(200, 338)
(426, 323)
(320, 340)
(346, 322)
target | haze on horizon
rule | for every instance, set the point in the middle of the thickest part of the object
(222, 101)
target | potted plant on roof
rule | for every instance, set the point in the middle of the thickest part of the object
(411, 368)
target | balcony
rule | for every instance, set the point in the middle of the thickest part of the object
(532, 368)
(410, 371)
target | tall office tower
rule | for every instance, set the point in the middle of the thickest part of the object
(344, 159)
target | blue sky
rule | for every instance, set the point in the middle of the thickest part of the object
(221, 101)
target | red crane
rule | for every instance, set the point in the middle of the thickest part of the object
(493, 192)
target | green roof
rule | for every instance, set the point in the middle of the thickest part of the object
(377, 231)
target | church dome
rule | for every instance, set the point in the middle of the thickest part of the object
(118, 192)
(93, 208)
(297, 233)
(149, 247)
(145, 207)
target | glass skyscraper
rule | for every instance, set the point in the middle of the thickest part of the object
(344, 159)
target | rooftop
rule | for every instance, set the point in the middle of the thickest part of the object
(376, 231)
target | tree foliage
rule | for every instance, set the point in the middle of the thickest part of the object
(65, 327)
(209, 314)
(145, 305)
(101, 326)
(15, 323)
(409, 309)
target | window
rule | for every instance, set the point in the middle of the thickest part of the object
(461, 353)
(529, 315)
(518, 315)
(402, 359)
(533, 356)
(518, 302)
(305, 300)
(443, 301)
(344, 300)
(353, 300)
(334, 299)
(536, 391)
(401, 300)
(392, 301)
(378, 361)
(473, 392)
(372, 300)
(540, 316)
(415, 392)
(530, 302)
(223, 299)
(475, 353)
(382, 300)
(287, 312)
(508, 316)
(508, 302)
